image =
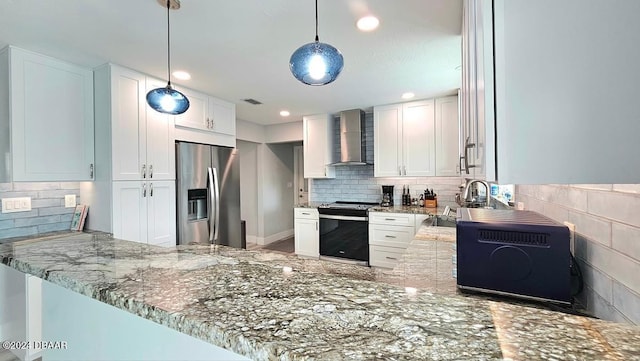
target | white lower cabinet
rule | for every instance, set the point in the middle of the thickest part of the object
(145, 212)
(20, 311)
(307, 232)
(389, 237)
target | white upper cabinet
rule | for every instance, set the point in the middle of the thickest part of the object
(46, 118)
(405, 139)
(318, 145)
(207, 113)
(447, 140)
(142, 142)
(565, 101)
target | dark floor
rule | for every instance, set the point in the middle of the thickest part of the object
(282, 246)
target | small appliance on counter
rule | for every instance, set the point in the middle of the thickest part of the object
(511, 252)
(387, 196)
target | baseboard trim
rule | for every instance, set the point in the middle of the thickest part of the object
(263, 241)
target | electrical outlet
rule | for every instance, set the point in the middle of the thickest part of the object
(572, 236)
(70, 200)
(12, 205)
(520, 206)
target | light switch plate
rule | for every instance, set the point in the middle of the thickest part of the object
(70, 200)
(12, 205)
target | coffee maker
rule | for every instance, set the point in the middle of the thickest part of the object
(387, 196)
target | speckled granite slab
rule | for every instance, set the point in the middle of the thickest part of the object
(253, 305)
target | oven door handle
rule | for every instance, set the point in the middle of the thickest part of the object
(343, 218)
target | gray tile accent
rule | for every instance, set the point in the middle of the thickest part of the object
(47, 202)
(626, 239)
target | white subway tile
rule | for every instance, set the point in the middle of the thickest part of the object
(19, 186)
(555, 212)
(627, 188)
(622, 268)
(626, 240)
(597, 281)
(622, 207)
(592, 227)
(603, 187)
(600, 308)
(627, 302)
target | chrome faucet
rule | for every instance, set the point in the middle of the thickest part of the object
(467, 190)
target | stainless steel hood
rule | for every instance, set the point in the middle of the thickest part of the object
(352, 138)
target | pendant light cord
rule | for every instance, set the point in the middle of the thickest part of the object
(169, 47)
(317, 39)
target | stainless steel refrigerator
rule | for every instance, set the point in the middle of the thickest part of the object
(208, 195)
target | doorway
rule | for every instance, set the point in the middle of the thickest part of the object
(300, 183)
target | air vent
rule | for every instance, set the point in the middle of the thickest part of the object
(512, 237)
(252, 101)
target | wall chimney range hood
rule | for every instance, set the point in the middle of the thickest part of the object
(352, 138)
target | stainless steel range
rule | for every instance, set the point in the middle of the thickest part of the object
(344, 230)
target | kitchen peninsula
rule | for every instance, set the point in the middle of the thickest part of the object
(274, 307)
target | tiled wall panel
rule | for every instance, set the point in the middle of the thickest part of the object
(607, 220)
(48, 213)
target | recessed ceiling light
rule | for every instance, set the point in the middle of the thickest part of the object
(181, 74)
(368, 23)
(408, 95)
(285, 113)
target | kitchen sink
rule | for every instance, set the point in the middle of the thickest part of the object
(442, 221)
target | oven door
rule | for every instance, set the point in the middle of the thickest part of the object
(344, 237)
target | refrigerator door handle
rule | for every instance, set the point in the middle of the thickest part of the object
(217, 204)
(211, 208)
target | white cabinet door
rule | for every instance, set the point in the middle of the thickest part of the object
(51, 118)
(128, 128)
(447, 139)
(307, 237)
(160, 141)
(223, 116)
(130, 210)
(418, 138)
(161, 214)
(318, 146)
(198, 113)
(387, 122)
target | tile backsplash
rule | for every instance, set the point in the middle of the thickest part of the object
(357, 183)
(48, 213)
(607, 242)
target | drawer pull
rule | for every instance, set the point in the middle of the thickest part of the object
(388, 236)
(389, 219)
(395, 259)
(306, 214)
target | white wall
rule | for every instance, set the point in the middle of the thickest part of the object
(285, 132)
(277, 191)
(249, 187)
(250, 131)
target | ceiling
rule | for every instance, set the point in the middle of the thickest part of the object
(240, 49)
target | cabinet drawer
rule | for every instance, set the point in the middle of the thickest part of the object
(305, 213)
(391, 236)
(387, 257)
(396, 219)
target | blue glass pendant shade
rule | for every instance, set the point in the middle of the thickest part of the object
(167, 100)
(316, 63)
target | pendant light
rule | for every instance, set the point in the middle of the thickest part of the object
(168, 100)
(316, 63)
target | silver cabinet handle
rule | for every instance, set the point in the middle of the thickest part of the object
(316, 226)
(150, 189)
(144, 189)
(389, 219)
(388, 236)
(395, 259)
(91, 170)
(144, 171)
(467, 146)
(399, 170)
(150, 170)
(306, 214)
(404, 167)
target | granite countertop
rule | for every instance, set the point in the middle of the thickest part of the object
(252, 303)
(407, 209)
